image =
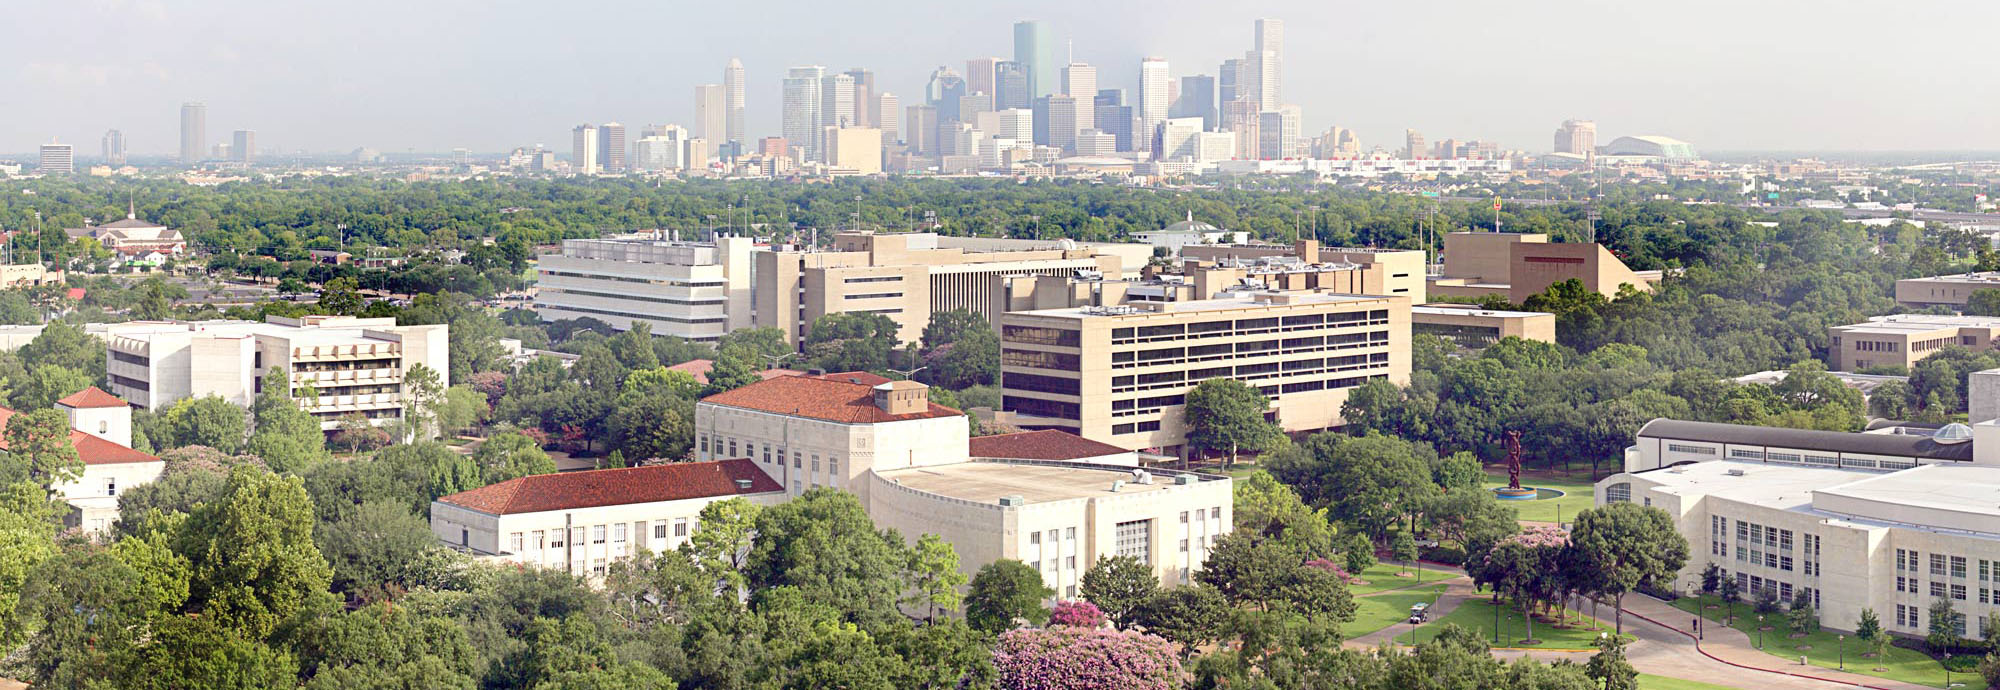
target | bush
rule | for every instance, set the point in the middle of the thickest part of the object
(1448, 554)
(1082, 614)
(1066, 658)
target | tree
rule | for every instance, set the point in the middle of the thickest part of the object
(433, 466)
(1628, 544)
(381, 646)
(204, 421)
(652, 421)
(1073, 658)
(1228, 415)
(1358, 553)
(1801, 616)
(1945, 624)
(721, 544)
(1404, 548)
(1005, 591)
(66, 345)
(27, 538)
(287, 438)
(1369, 482)
(1190, 615)
(1118, 585)
(824, 544)
(1731, 592)
(462, 407)
(252, 554)
(933, 575)
(509, 455)
(45, 384)
(39, 450)
(1869, 627)
(376, 549)
(729, 373)
(1983, 303)
(960, 350)
(1078, 613)
(851, 341)
(423, 393)
(1711, 578)
(1609, 667)
(1268, 509)
(340, 296)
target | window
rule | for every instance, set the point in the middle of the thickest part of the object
(1184, 546)
(1958, 592)
(660, 531)
(1184, 517)
(597, 534)
(1698, 450)
(1036, 537)
(1069, 533)
(1618, 493)
(1958, 567)
(514, 542)
(732, 447)
(1937, 564)
(704, 443)
(618, 533)
(1135, 539)
(1937, 589)
(111, 486)
(1069, 562)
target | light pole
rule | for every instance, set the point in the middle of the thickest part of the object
(1760, 631)
(1843, 651)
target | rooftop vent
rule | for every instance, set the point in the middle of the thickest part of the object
(1185, 479)
(1013, 501)
(1735, 473)
(1117, 486)
(743, 485)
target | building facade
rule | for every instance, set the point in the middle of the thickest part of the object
(692, 291)
(1905, 339)
(1521, 265)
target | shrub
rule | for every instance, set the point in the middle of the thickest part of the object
(1072, 658)
(1079, 613)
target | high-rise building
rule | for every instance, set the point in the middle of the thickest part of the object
(888, 116)
(711, 114)
(1413, 144)
(836, 95)
(855, 148)
(1010, 84)
(1013, 124)
(583, 149)
(1114, 117)
(920, 129)
(1197, 99)
(943, 92)
(1260, 72)
(1153, 83)
(732, 86)
(1242, 117)
(979, 75)
(971, 105)
(1232, 84)
(1080, 84)
(1174, 138)
(802, 108)
(243, 146)
(114, 147)
(1063, 109)
(611, 147)
(194, 132)
(864, 95)
(1578, 137)
(57, 159)
(1278, 134)
(1269, 52)
(1035, 50)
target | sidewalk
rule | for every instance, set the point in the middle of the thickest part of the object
(1456, 591)
(1728, 647)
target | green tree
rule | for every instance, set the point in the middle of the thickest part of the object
(1357, 553)
(1869, 627)
(340, 296)
(960, 350)
(1802, 614)
(1005, 591)
(1945, 624)
(932, 576)
(652, 421)
(729, 373)
(508, 455)
(1228, 415)
(423, 393)
(39, 450)
(1268, 509)
(1404, 548)
(204, 421)
(381, 646)
(287, 438)
(67, 345)
(1983, 303)
(434, 467)
(1731, 592)
(1190, 616)
(252, 553)
(461, 408)
(1627, 545)
(824, 545)
(851, 341)
(45, 384)
(721, 543)
(1609, 666)
(1118, 585)
(205, 652)
(375, 549)
(27, 538)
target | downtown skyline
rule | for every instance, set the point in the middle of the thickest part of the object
(431, 82)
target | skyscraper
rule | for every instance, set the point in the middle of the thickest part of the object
(1242, 117)
(1080, 84)
(244, 146)
(57, 159)
(1115, 118)
(887, 114)
(943, 92)
(1233, 84)
(836, 107)
(1578, 137)
(1035, 49)
(732, 87)
(194, 132)
(801, 112)
(864, 95)
(1269, 51)
(1063, 111)
(979, 76)
(1197, 99)
(114, 147)
(1413, 144)
(1010, 84)
(920, 129)
(711, 115)
(583, 149)
(611, 147)
(1260, 73)
(1278, 134)
(1153, 106)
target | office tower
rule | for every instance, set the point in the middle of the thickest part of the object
(1112, 116)
(1242, 117)
(837, 101)
(1278, 134)
(1063, 110)
(943, 92)
(1013, 124)
(1197, 99)
(194, 132)
(1040, 121)
(611, 147)
(1413, 144)
(583, 149)
(1259, 79)
(1268, 55)
(801, 114)
(864, 94)
(1174, 138)
(887, 114)
(1010, 84)
(1446, 150)
(1080, 84)
(1232, 84)
(971, 105)
(920, 129)
(244, 146)
(1035, 50)
(1578, 137)
(1270, 36)
(57, 159)
(114, 147)
(711, 114)
(1153, 98)
(1214, 146)
(774, 147)
(979, 75)
(855, 148)
(732, 87)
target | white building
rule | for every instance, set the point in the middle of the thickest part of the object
(583, 149)
(101, 431)
(578, 522)
(1190, 232)
(694, 291)
(355, 365)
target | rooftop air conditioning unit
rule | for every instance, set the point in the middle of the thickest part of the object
(1736, 473)
(743, 485)
(1185, 479)
(1117, 486)
(1013, 501)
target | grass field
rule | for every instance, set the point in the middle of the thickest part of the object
(1477, 615)
(1382, 576)
(1652, 682)
(1823, 648)
(1576, 497)
(1387, 609)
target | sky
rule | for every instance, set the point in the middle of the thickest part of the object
(489, 75)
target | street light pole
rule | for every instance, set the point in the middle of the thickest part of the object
(1843, 651)
(1760, 631)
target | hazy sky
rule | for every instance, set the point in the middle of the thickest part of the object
(430, 75)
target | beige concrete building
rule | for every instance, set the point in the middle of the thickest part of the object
(101, 432)
(1475, 328)
(1905, 339)
(1520, 265)
(904, 276)
(355, 365)
(693, 291)
(1120, 373)
(855, 149)
(1947, 290)
(1363, 271)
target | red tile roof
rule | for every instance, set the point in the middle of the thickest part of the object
(624, 486)
(860, 377)
(92, 449)
(1047, 444)
(92, 397)
(699, 368)
(820, 398)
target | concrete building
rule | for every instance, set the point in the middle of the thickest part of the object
(857, 149)
(1520, 265)
(905, 276)
(1889, 521)
(57, 159)
(355, 365)
(101, 432)
(1905, 339)
(732, 87)
(1953, 290)
(1474, 328)
(583, 157)
(711, 116)
(244, 146)
(1197, 99)
(1304, 265)
(1278, 134)
(1577, 137)
(113, 146)
(194, 132)
(1154, 80)
(801, 108)
(580, 522)
(1267, 58)
(1118, 371)
(134, 240)
(693, 291)
(611, 147)
(1413, 145)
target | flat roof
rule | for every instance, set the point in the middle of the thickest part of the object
(1957, 488)
(1992, 277)
(1237, 300)
(1907, 323)
(1899, 445)
(1781, 487)
(988, 482)
(1470, 310)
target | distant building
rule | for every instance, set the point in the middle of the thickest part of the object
(244, 146)
(113, 145)
(1278, 134)
(732, 86)
(1520, 265)
(1906, 339)
(1953, 290)
(801, 108)
(194, 132)
(1413, 144)
(611, 147)
(1648, 148)
(711, 115)
(980, 75)
(692, 291)
(134, 240)
(57, 159)
(583, 150)
(1475, 328)
(1577, 137)
(857, 149)
(1174, 238)
(1197, 99)
(101, 432)
(1154, 80)
(1035, 52)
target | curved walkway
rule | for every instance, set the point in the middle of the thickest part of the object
(1456, 591)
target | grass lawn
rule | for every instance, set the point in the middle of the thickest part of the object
(1477, 615)
(1382, 576)
(1384, 610)
(1651, 682)
(1907, 665)
(1576, 497)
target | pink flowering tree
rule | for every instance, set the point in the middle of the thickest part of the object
(1079, 613)
(1332, 567)
(1076, 658)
